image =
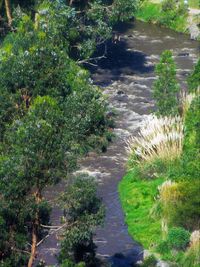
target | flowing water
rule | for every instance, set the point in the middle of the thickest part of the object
(126, 76)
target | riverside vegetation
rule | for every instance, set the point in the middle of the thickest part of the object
(168, 13)
(51, 115)
(160, 192)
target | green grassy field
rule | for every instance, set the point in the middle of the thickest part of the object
(194, 4)
(152, 12)
(137, 197)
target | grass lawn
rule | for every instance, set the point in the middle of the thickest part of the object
(194, 3)
(151, 12)
(137, 197)
(148, 12)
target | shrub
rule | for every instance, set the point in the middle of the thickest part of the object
(168, 5)
(150, 261)
(187, 207)
(69, 263)
(180, 204)
(163, 247)
(178, 238)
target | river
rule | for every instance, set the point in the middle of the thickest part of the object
(126, 77)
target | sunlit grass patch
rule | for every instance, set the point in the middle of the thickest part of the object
(137, 197)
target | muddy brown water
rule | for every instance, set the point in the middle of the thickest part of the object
(126, 77)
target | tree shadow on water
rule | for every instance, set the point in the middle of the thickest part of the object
(120, 60)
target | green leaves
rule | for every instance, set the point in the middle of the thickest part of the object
(83, 211)
(194, 78)
(166, 87)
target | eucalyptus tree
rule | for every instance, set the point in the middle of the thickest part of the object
(38, 154)
(89, 22)
(83, 212)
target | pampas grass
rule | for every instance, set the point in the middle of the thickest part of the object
(159, 138)
(192, 255)
(186, 100)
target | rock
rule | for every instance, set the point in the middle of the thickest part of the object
(183, 54)
(162, 264)
(146, 254)
(120, 92)
(139, 263)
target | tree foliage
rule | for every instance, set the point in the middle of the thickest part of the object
(194, 79)
(50, 114)
(165, 88)
(191, 146)
(84, 212)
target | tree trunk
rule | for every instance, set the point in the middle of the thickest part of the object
(8, 11)
(36, 224)
(33, 247)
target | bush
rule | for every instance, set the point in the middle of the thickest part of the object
(69, 263)
(163, 247)
(180, 204)
(168, 5)
(187, 208)
(149, 261)
(178, 238)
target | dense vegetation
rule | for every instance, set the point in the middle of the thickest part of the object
(160, 193)
(51, 114)
(169, 13)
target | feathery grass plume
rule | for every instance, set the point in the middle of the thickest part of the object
(192, 255)
(159, 138)
(186, 100)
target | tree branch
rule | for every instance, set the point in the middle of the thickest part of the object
(54, 231)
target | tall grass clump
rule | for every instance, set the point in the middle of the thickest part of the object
(192, 255)
(186, 100)
(159, 138)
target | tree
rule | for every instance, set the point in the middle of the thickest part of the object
(165, 88)
(8, 11)
(83, 211)
(40, 156)
(33, 64)
(84, 24)
(191, 145)
(194, 79)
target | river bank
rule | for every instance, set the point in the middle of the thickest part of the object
(181, 19)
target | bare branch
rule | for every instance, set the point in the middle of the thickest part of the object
(54, 231)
